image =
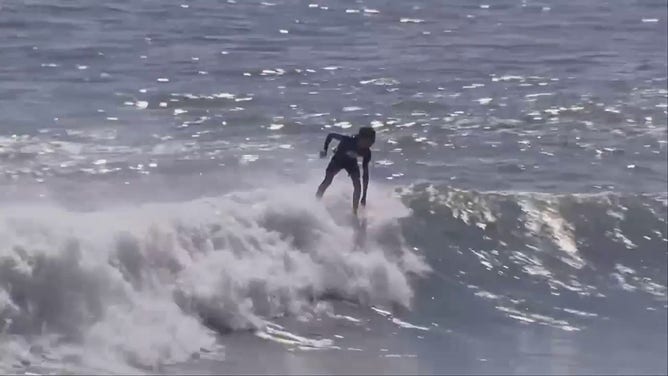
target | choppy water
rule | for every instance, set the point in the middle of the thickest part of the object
(158, 162)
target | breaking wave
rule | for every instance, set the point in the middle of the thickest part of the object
(154, 284)
(543, 258)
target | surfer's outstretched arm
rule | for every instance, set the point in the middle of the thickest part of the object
(365, 176)
(329, 138)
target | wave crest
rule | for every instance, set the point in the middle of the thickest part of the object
(157, 272)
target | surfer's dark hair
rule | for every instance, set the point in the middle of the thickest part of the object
(368, 133)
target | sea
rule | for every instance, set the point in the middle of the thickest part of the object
(159, 162)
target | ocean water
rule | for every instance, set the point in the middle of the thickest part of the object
(159, 159)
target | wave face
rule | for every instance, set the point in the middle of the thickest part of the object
(536, 256)
(154, 284)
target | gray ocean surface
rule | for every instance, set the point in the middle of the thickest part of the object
(159, 159)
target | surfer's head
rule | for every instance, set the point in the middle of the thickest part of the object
(366, 137)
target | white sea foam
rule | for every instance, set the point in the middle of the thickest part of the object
(169, 276)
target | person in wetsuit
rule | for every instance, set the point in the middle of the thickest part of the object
(345, 158)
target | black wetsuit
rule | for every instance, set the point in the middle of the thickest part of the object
(346, 154)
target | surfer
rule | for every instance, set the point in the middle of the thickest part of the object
(345, 158)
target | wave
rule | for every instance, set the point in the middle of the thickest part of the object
(575, 228)
(171, 277)
(538, 255)
(154, 284)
